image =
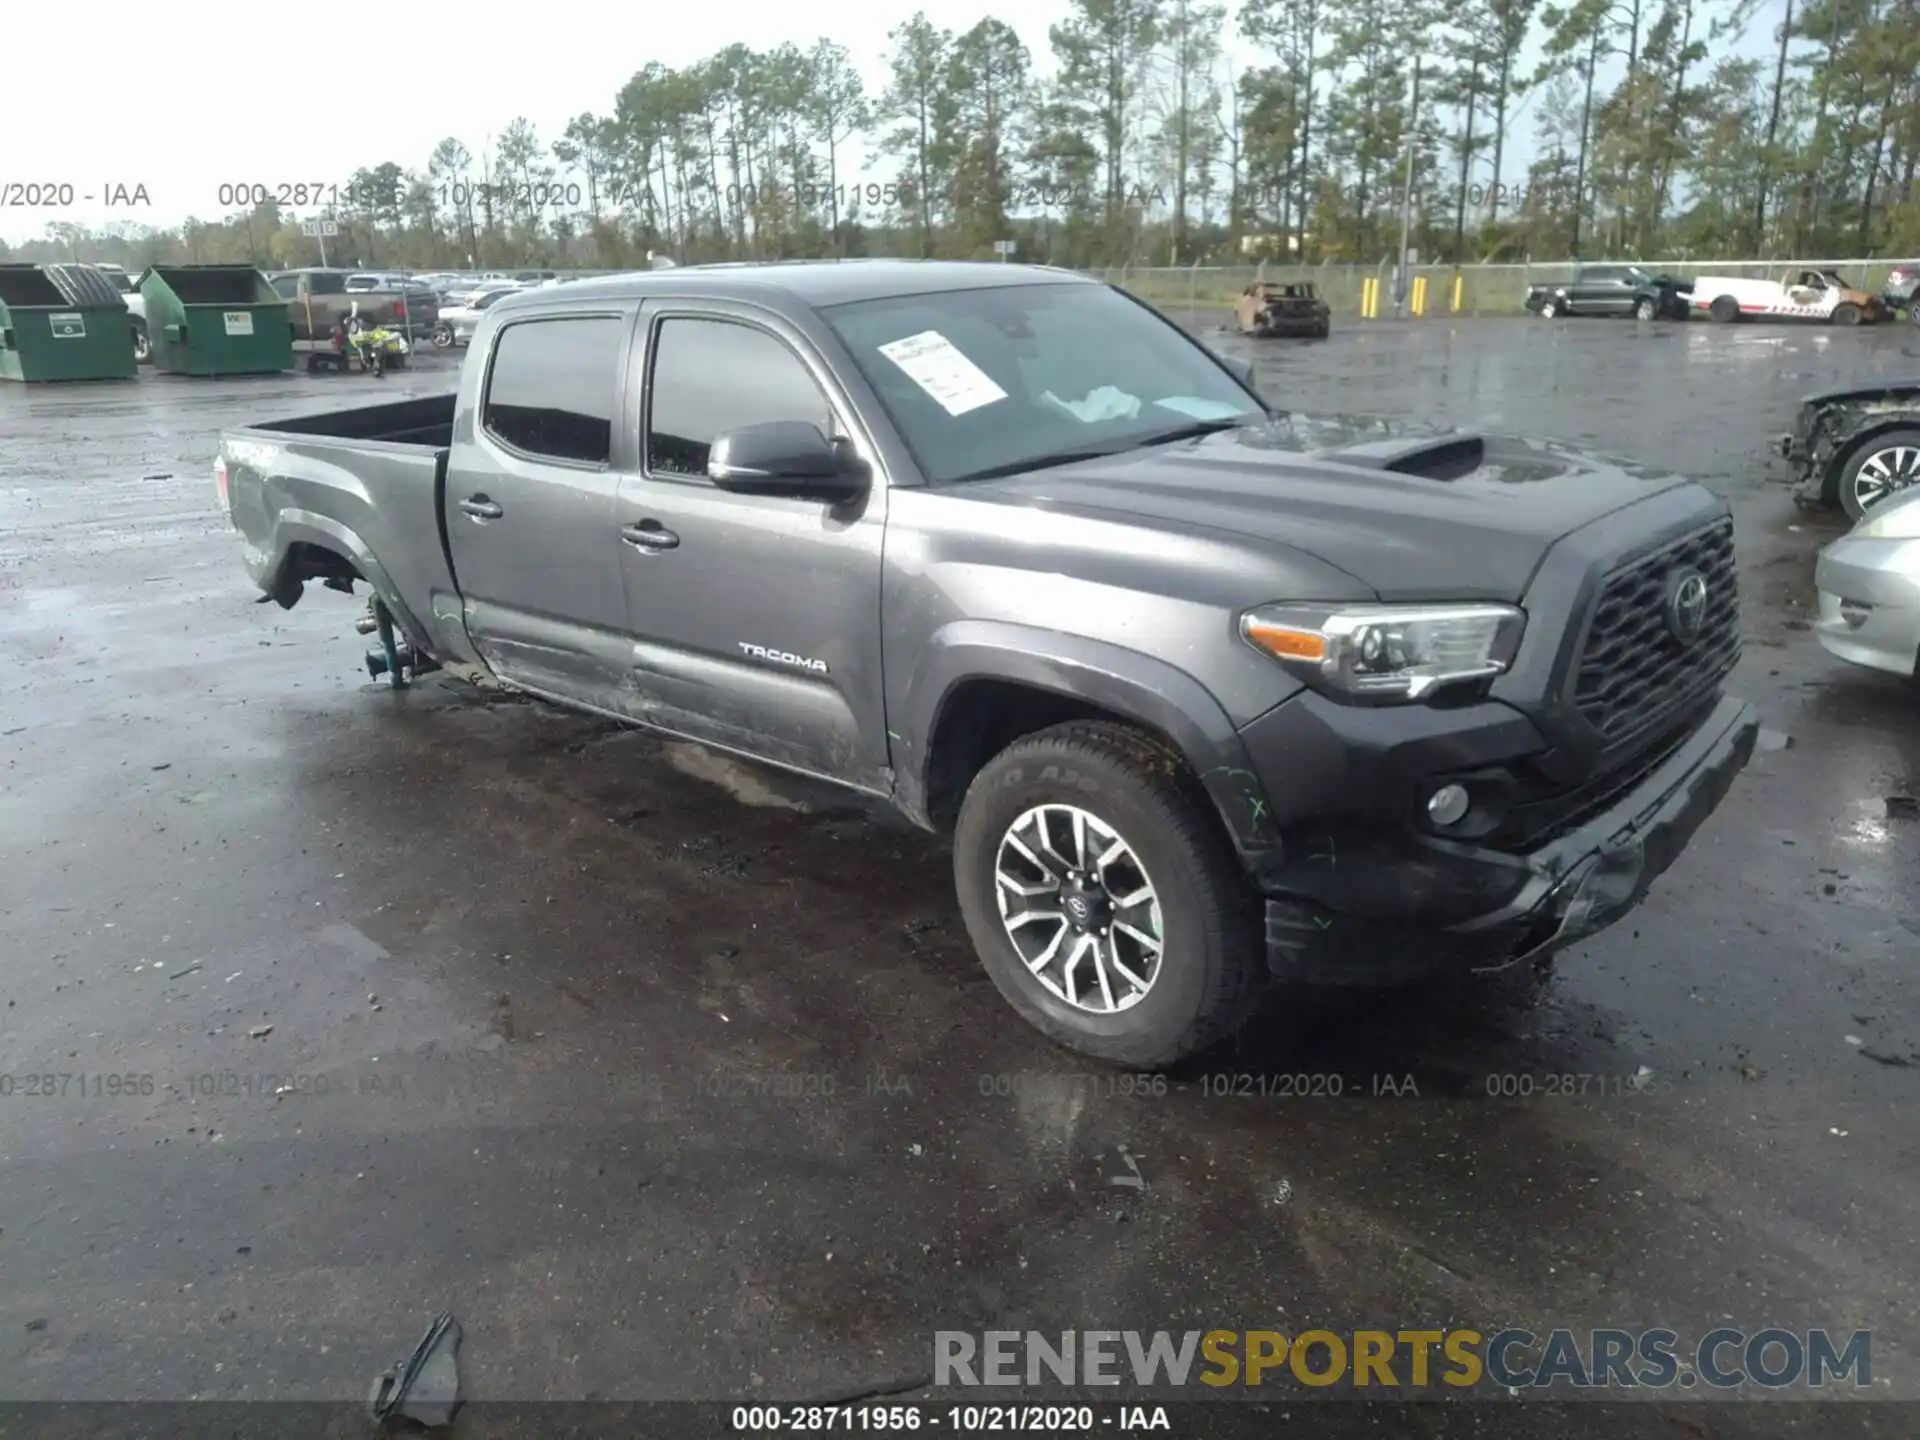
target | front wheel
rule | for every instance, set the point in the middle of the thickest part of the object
(1103, 899)
(1885, 466)
(1549, 309)
(1846, 315)
(142, 344)
(1645, 310)
(1724, 311)
(1913, 312)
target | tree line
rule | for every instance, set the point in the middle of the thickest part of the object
(1142, 144)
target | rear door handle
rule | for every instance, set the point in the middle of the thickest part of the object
(481, 508)
(649, 535)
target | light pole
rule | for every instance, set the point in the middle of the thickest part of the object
(1406, 200)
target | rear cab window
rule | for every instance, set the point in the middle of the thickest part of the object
(553, 388)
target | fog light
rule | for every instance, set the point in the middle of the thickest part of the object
(1855, 612)
(1448, 805)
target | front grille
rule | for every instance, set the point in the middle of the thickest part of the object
(1634, 671)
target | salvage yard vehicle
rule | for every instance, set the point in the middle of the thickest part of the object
(320, 299)
(1611, 290)
(1868, 582)
(1268, 308)
(1208, 696)
(457, 322)
(136, 304)
(1855, 445)
(1796, 295)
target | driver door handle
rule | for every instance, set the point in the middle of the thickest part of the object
(649, 535)
(481, 508)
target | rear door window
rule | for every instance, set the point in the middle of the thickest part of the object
(554, 386)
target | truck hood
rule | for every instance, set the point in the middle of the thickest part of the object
(1412, 512)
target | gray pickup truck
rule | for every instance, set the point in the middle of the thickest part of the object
(1210, 697)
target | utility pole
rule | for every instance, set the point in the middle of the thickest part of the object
(1406, 201)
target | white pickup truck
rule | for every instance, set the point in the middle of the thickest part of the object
(136, 309)
(1796, 295)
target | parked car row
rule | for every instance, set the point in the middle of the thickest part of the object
(1796, 294)
(1857, 448)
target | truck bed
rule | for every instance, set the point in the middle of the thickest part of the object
(427, 420)
(358, 492)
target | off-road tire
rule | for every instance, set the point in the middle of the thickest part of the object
(1848, 315)
(1843, 488)
(1213, 967)
(1724, 310)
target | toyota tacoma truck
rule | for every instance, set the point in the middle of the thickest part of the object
(1211, 697)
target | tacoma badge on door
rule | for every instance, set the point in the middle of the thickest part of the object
(781, 657)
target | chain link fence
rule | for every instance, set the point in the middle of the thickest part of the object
(1199, 292)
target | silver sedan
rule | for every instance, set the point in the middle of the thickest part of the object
(1869, 584)
(458, 322)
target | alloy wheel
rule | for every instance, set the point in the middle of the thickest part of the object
(1079, 908)
(1885, 472)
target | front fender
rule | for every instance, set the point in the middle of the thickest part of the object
(1126, 682)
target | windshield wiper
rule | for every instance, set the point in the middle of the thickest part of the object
(1040, 462)
(1101, 452)
(1193, 431)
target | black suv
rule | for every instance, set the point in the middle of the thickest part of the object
(1611, 290)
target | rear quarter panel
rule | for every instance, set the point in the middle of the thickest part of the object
(375, 504)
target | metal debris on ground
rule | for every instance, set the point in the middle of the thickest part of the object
(425, 1387)
(260, 1032)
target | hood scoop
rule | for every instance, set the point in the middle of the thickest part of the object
(1445, 457)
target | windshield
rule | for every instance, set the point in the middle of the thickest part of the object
(989, 381)
(1833, 279)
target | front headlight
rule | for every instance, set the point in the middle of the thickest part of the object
(1387, 652)
(1891, 520)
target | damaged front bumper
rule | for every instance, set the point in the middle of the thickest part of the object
(1806, 469)
(1570, 888)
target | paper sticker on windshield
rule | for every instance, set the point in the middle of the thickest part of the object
(932, 363)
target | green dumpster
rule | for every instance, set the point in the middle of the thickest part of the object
(63, 322)
(216, 320)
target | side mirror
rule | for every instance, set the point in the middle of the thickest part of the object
(784, 457)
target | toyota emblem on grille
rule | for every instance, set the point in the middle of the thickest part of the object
(1687, 605)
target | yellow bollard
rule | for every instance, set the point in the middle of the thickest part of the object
(1419, 306)
(1459, 291)
(1369, 298)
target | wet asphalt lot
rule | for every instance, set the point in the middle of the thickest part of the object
(675, 1079)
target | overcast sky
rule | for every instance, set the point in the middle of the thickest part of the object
(204, 94)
